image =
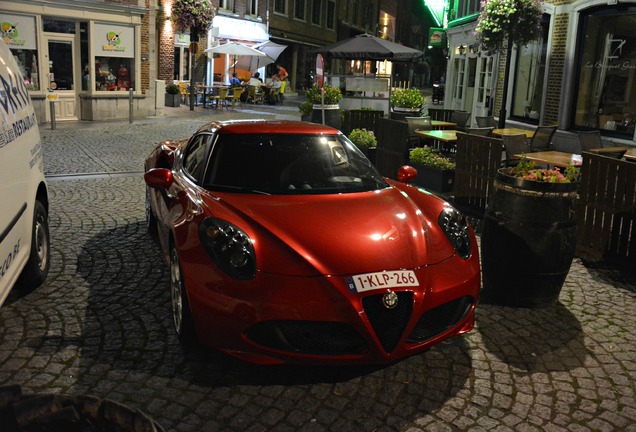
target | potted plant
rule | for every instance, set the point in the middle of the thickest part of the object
(528, 236)
(366, 141)
(332, 95)
(434, 171)
(406, 102)
(173, 96)
(306, 108)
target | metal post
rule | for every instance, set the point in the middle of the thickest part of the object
(130, 105)
(52, 105)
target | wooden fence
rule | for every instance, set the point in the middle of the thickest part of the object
(360, 119)
(605, 214)
(392, 136)
(478, 158)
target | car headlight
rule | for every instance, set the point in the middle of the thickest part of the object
(455, 227)
(229, 247)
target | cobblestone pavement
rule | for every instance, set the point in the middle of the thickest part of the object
(101, 325)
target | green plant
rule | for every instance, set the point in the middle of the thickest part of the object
(363, 138)
(407, 98)
(172, 89)
(527, 171)
(430, 157)
(332, 95)
(502, 23)
(306, 108)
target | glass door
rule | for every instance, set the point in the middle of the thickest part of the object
(61, 76)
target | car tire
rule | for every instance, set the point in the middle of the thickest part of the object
(181, 314)
(151, 220)
(37, 267)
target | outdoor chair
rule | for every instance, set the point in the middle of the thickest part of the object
(254, 95)
(461, 118)
(184, 92)
(220, 100)
(514, 144)
(542, 138)
(590, 140)
(417, 123)
(483, 131)
(488, 121)
(235, 97)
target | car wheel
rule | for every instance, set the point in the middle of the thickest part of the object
(151, 221)
(37, 267)
(181, 315)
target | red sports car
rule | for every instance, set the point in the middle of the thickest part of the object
(285, 244)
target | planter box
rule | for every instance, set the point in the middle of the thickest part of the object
(434, 179)
(332, 115)
(173, 100)
(399, 113)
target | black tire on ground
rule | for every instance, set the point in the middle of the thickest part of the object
(181, 314)
(37, 267)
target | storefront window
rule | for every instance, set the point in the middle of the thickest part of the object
(606, 95)
(529, 77)
(19, 34)
(113, 73)
(114, 57)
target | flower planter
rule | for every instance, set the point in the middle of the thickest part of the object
(369, 152)
(332, 115)
(400, 113)
(173, 100)
(528, 241)
(434, 179)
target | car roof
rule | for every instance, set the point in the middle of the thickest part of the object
(267, 127)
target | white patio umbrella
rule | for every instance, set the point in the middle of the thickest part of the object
(236, 49)
(271, 49)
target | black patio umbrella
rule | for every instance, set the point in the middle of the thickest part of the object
(369, 47)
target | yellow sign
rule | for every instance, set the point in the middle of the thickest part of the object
(52, 96)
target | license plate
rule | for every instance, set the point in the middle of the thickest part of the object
(382, 280)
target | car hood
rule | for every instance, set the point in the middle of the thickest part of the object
(340, 234)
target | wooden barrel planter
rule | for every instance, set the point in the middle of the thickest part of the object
(332, 115)
(528, 241)
(80, 413)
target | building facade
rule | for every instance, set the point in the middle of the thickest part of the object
(85, 60)
(580, 75)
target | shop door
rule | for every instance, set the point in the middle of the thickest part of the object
(61, 76)
(483, 82)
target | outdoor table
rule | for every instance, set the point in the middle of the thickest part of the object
(444, 135)
(512, 131)
(212, 90)
(555, 158)
(630, 152)
(441, 124)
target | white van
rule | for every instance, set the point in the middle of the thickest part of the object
(24, 201)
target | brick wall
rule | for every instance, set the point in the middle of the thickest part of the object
(556, 68)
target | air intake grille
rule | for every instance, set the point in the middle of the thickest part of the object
(389, 324)
(437, 320)
(308, 337)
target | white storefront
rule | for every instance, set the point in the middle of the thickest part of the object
(83, 55)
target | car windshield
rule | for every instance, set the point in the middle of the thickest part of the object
(289, 164)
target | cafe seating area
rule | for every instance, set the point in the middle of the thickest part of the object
(606, 204)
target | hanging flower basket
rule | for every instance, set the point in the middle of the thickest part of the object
(197, 15)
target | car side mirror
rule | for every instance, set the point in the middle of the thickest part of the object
(406, 174)
(159, 178)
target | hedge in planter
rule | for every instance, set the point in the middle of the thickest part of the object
(434, 171)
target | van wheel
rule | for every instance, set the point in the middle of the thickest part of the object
(181, 314)
(37, 267)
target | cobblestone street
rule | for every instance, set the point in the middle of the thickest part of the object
(101, 325)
